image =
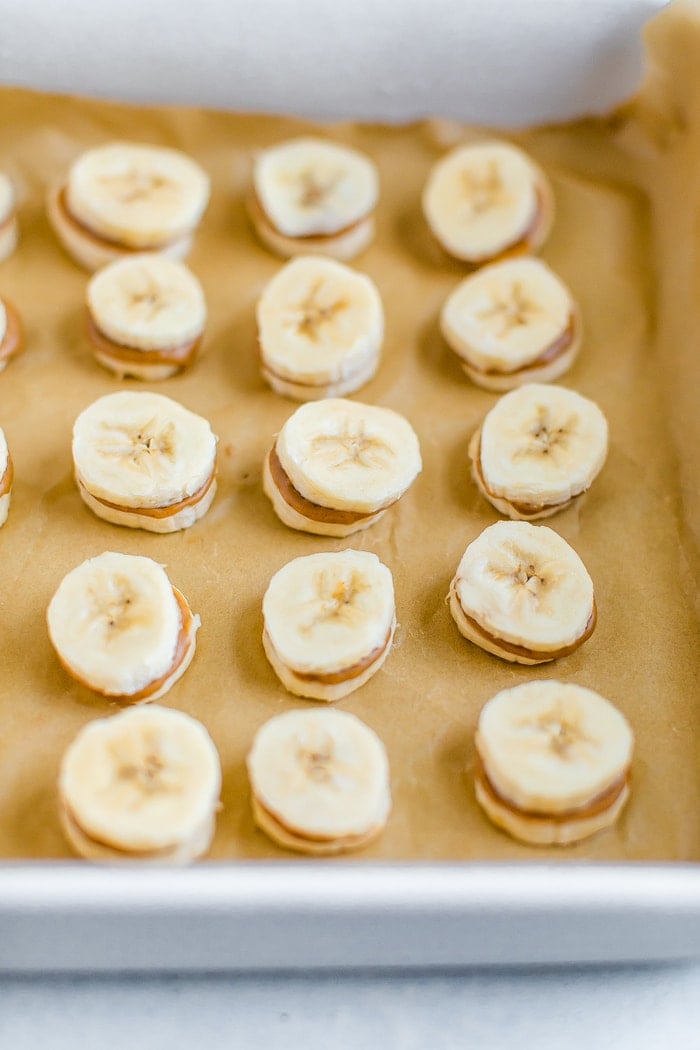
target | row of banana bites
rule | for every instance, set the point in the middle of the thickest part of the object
(553, 759)
(131, 213)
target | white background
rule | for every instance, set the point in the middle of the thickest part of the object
(644, 1009)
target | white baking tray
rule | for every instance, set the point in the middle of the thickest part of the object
(59, 917)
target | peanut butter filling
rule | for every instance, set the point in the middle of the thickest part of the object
(313, 511)
(80, 833)
(158, 512)
(7, 477)
(297, 382)
(549, 354)
(347, 673)
(258, 213)
(184, 640)
(525, 509)
(533, 654)
(598, 804)
(110, 242)
(347, 841)
(12, 339)
(286, 379)
(524, 243)
(7, 222)
(306, 383)
(181, 355)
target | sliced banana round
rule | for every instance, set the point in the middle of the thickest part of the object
(144, 461)
(120, 627)
(337, 466)
(522, 593)
(512, 322)
(554, 762)
(6, 478)
(125, 197)
(314, 196)
(485, 200)
(320, 329)
(146, 316)
(320, 781)
(11, 336)
(141, 785)
(329, 622)
(9, 227)
(538, 449)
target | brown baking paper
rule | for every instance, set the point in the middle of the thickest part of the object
(625, 239)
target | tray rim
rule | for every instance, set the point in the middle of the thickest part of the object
(63, 916)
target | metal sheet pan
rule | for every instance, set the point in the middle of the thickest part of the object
(68, 917)
(65, 917)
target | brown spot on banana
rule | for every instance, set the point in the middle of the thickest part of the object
(314, 315)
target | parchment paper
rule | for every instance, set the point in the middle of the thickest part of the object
(627, 196)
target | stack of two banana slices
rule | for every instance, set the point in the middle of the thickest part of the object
(126, 197)
(329, 622)
(145, 316)
(538, 451)
(553, 762)
(488, 200)
(320, 329)
(337, 466)
(140, 786)
(522, 593)
(319, 781)
(144, 461)
(9, 226)
(120, 628)
(313, 196)
(511, 323)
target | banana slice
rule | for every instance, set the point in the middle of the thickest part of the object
(553, 762)
(311, 196)
(522, 593)
(120, 627)
(126, 197)
(6, 479)
(146, 316)
(486, 200)
(142, 786)
(320, 329)
(329, 622)
(11, 337)
(9, 227)
(512, 322)
(144, 461)
(320, 781)
(537, 450)
(337, 466)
